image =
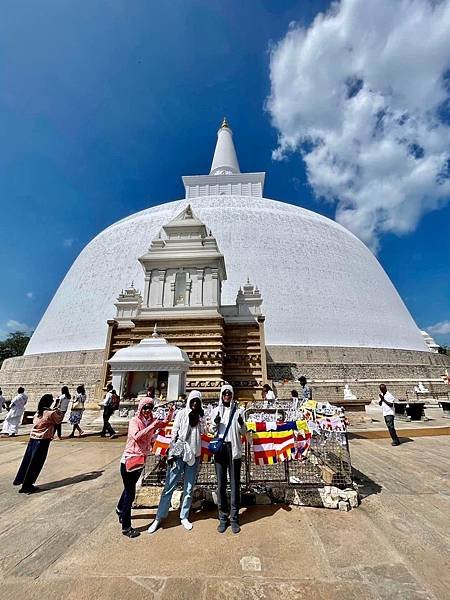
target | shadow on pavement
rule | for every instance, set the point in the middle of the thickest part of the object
(366, 485)
(70, 480)
(248, 515)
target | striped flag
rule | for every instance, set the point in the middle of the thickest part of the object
(162, 441)
(206, 455)
(271, 447)
(302, 445)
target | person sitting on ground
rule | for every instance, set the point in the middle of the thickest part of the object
(62, 404)
(305, 391)
(15, 413)
(41, 435)
(141, 429)
(387, 404)
(110, 404)
(183, 462)
(77, 410)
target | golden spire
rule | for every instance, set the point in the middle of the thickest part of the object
(224, 123)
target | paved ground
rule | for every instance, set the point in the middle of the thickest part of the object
(65, 542)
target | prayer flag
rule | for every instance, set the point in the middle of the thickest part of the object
(162, 441)
(206, 455)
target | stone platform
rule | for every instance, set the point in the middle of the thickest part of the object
(65, 543)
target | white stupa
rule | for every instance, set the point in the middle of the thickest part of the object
(320, 284)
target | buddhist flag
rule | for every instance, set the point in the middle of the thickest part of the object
(206, 455)
(302, 445)
(162, 441)
(271, 447)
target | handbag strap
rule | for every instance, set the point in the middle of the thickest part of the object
(233, 410)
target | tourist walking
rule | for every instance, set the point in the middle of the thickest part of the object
(305, 390)
(41, 435)
(62, 404)
(387, 405)
(184, 459)
(110, 404)
(268, 394)
(228, 424)
(141, 429)
(15, 413)
(295, 399)
(76, 410)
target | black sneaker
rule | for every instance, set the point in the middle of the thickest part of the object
(29, 490)
(222, 527)
(395, 444)
(131, 533)
(235, 527)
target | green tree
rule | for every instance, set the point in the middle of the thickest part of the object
(13, 345)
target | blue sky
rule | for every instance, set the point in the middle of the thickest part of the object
(105, 105)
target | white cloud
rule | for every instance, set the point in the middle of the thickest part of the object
(68, 242)
(13, 325)
(30, 295)
(443, 328)
(364, 95)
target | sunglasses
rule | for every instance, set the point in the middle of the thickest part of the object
(226, 394)
(147, 407)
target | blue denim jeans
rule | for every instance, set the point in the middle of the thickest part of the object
(173, 476)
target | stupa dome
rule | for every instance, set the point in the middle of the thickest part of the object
(321, 286)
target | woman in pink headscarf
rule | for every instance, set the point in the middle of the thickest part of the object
(141, 431)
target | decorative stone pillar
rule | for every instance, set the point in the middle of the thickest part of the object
(197, 287)
(215, 284)
(262, 340)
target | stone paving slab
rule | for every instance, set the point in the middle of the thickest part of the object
(65, 542)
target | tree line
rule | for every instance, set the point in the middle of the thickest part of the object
(13, 345)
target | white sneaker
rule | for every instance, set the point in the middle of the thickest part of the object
(154, 526)
(186, 524)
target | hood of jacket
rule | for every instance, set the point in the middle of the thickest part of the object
(227, 386)
(142, 402)
(192, 395)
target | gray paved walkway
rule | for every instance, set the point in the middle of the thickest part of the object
(64, 542)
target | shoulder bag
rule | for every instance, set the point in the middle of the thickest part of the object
(78, 404)
(215, 445)
(134, 463)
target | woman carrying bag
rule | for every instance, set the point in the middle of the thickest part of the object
(184, 459)
(141, 430)
(76, 411)
(228, 427)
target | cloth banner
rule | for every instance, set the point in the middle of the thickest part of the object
(162, 441)
(206, 455)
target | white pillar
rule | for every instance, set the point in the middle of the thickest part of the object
(117, 382)
(173, 386)
(197, 288)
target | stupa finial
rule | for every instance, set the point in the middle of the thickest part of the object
(224, 161)
(155, 333)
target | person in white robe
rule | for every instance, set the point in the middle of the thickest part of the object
(15, 413)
